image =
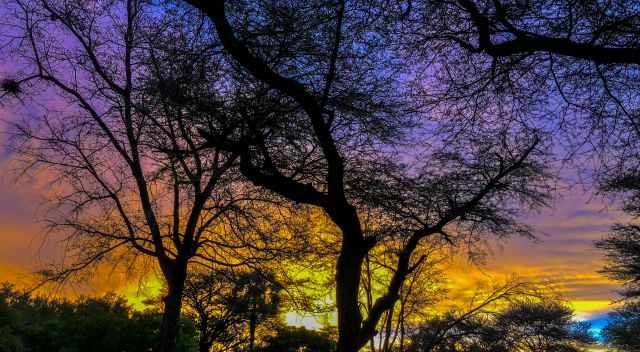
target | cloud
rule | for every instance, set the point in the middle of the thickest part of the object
(564, 258)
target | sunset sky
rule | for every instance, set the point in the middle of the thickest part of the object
(270, 176)
(563, 258)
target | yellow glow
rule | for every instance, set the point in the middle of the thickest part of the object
(585, 309)
(140, 292)
(311, 321)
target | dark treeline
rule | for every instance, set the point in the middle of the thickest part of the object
(109, 323)
(220, 143)
(88, 324)
(34, 324)
(521, 326)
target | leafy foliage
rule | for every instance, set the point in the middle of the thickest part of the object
(228, 305)
(524, 326)
(90, 324)
(295, 339)
(623, 330)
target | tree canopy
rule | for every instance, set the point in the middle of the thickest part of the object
(209, 141)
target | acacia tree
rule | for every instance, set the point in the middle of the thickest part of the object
(577, 62)
(333, 143)
(442, 331)
(602, 33)
(229, 305)
(563, 66)
(121, 194)
(211, 300)
(420, 292)
(108, 323)
(570, 67)
(523, 326)
(621, 332)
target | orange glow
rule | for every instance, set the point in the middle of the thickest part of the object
(563, 259)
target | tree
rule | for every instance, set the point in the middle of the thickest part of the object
(98, 324)
(578, 65)
(229, 305)
(333, 140)
(123, 195)
(211, 299)
(420, 293)
(575, 61)
(622, 250)
(621, 332)
(297, 339)
(578, 56)
(563, 66)
(602, 33)
(521, 326)
(447, 329)
(261, 300)
(541, 326)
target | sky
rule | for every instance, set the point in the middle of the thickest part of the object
(563, 257)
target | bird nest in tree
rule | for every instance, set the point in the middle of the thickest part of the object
(10, 86)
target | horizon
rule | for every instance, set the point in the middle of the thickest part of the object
(232, 172)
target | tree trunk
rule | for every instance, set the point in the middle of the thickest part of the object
(204, 346)
(171, 314)
(205, 342)
(348, 274)
(387, 332)
(369, 290)
(252, 329)
(402, 331)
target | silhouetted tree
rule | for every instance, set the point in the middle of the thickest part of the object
(603, 33)
(622, 329)
(297, 339)
(444, 330)
(558, 56)
(622, 249)
(211, 299)
(342, 114)
(422, 290)
(570, 68)
(524, 326)
(261, 300)
(579, 65)
(122, 194)
(89, 324)
(541, 326)
(229, 305)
